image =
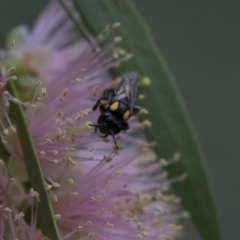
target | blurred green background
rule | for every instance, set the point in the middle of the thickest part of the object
(200, 41)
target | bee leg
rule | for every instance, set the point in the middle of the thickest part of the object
(102, 109)
(135, 110)
(115, 142)
(125, 126)
(98, 102)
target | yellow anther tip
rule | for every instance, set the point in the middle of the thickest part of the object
(88, 124)
(146, 81)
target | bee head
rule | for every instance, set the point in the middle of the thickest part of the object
(109, 124)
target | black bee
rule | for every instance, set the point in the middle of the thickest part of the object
(117, 106)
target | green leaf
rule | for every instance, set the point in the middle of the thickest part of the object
(171, 127)
(45, 213)
(2, 36)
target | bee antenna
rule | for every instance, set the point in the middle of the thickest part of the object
(114, 140)
(96, 125)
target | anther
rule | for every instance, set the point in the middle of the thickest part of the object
(116, 25)
(89, 223)
(146, 123)
(6, 132)
(13, 43)
(186, 214)
(145, 150)
(128, 56)
(117, 39)
(35, 195)
(13, 77)
(98, 50)
(48, 187)
(44, 92)
(143, 111)
(11, 69)
(57, 216)
(71, 181)
(107, 27)
(13, 129)
(65, 91)
(110, 225)
(13, 180)
(79, 80)
(163, 162)
(19, 216)
(177, 156)
(79, 228)
(90, 149)
(75, 194)
(146, 81)
(56, 185)
(91, 235)
(183, 177)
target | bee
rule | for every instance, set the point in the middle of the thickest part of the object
(117, 106)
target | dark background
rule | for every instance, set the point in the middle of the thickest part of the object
(200, 40)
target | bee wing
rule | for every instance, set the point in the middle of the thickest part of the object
(130, 88)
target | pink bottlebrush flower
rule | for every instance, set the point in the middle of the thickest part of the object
(12, 222)
(112, 195)
(65, 95)
(121, 199)
(5, 99)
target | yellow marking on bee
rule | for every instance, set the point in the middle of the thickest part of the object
(126, 115)
(114, 106)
